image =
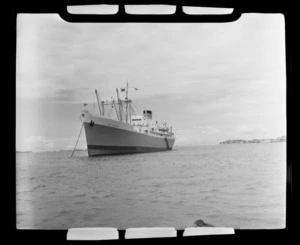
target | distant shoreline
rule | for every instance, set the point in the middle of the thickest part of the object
(49, 151)
(238, 141)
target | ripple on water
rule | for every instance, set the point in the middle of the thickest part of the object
(108, 195)
(80, 195)
(78, 203)
(64, 212)
(211, 183)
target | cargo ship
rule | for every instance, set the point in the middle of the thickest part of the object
(118, 128)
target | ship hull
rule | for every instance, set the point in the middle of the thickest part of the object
(107, 140)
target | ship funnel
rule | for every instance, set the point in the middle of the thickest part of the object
(147, 114)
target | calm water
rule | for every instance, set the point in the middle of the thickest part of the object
(240, 186)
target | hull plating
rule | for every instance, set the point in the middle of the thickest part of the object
(105, 140)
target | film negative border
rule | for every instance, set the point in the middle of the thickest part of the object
(109, 233)
(179, 16)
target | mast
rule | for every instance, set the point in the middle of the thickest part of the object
(127, 101)
(102, 103)
(130, 112)
(114, 104)
(98, 101)
(120, 105)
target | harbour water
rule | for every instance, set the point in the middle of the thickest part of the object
(238, 185)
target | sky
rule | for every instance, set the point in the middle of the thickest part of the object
(209, 81)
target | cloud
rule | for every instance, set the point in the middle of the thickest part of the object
(68, 55)
(46, 143)
(38, 143)
(250, 130)
(69, 95)
(209, 81)
(207, 129)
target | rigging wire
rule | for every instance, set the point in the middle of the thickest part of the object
(133, 111)
(135, 107)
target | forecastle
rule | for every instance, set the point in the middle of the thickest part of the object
(279, 139)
